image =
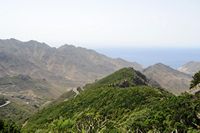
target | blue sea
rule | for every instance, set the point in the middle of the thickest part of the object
(174, 57)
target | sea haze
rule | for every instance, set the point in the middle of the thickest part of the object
(174, 57)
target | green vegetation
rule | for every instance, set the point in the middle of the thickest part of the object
(123, 78)
(138, 108)
(106, 106)
(195, 81)
(120, 102)
(8, 127)
(103, 105)
(64, 97)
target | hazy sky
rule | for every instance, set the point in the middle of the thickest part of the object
(103, 23)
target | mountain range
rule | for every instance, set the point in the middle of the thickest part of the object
(33, 73)
(67, 85)
(68, 66)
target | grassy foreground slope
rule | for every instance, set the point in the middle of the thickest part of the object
(121, 102)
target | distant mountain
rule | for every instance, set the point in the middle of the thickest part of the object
(190, 67)
(169, 78)
(33, 73)
(68, 66)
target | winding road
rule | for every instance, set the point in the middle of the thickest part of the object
(7, 102)
(74, 90)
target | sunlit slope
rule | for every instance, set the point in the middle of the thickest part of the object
(121, 102)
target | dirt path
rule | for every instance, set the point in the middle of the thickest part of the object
(76, 91)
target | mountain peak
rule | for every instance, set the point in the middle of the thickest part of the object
(79, 65)
(124, 77)
(11, 40)
(191, 67)
(169, 78)
(159, 66)
(34, 43)
(65, 46)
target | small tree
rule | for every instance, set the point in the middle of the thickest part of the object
(195, 81)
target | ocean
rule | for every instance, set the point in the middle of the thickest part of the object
(173, 57)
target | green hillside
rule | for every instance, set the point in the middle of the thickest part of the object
(8, 126)
(122, 78)
(106, 106)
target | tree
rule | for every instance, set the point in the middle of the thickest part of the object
(195, 81)
(8, 126)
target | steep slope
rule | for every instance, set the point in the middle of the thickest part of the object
(190, 67)
(29, 58)
(83, 64)
(118, 85)
(8, 126)
(123, 78)
(33, 73)
(170, 79)
(68, 66)
(106, 106)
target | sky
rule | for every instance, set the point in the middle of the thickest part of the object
(98, 24)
